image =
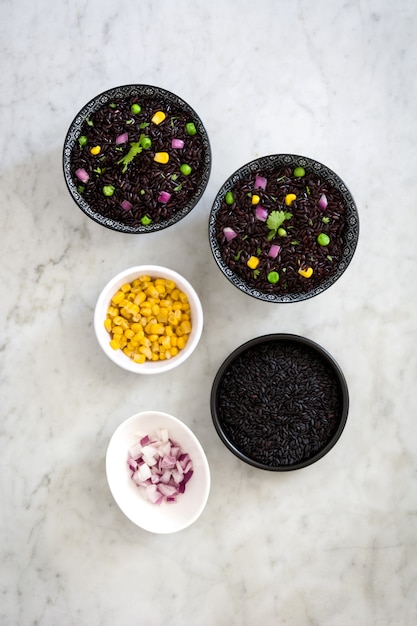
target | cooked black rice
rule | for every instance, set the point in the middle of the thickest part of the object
(299, 248)
(279, 403)
(144, 179)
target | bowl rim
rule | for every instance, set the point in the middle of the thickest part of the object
(117, 356)
(72, 135)
(270, 162)
(185, 514)
(290, 338)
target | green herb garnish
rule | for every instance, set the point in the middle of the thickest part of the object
(256, 273)
(237, 256)
(135, 149)
(274, 221)
(144, 125)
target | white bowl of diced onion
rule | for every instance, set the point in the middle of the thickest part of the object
(172, 492)
(167, 357)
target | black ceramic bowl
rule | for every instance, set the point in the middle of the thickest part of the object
(127, 190)
(279, 402)
(276, 210)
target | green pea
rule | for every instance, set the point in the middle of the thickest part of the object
(229, 198)
(323, 239)
(185, 169)
(108, 190)
(135, 109)
(299, 172)
(282, 232)
(190, 128)
(146, 142)
(82, 141)
(273, 277)
(146, 220)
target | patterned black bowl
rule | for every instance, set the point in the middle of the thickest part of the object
(127, 190)
(279, 402)
(306, 200)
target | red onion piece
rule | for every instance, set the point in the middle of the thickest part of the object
(274, 250)
(260, 182)
(177, 143)
(82, 175)
(122, 138)
(323, 202)
(261, 213)
(126, 205)
(164, 197)
(229, 233)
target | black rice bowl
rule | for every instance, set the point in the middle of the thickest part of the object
(279, 402)
(283, 228)
(136, 159)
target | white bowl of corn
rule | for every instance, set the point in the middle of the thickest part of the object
(148, 319)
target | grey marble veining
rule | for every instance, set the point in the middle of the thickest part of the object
(334, 544)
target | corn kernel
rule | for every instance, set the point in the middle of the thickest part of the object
(161, 157)
(95, 150)
(146, 351)
(306, 272)
(117, 330)
(181, 342)
(140, 298)
(174, 351)
(169, 285)
(139, 358)
(253, 262)
(158, 117)
(289, 198)
(107, 324)
(186, 327)
(118, 297)
(129, 333)
(145, 278)
(255, 199)
(115, 344)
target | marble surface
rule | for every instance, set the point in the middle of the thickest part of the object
(332, 545)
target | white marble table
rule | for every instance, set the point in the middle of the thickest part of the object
(332, 545)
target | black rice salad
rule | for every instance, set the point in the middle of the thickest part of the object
(279, 403)
(138, 160)
(282, 231)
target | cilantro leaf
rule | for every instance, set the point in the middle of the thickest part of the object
(275, 220)
(135, 148)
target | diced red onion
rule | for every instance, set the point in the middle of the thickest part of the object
(229, 233)
(122, 138)
(126, 205)
(163, 197)
(274, 250)
(82, 175)
(160, 467)
(323, 202)
(260, 182)
(177, 143)
(261, 213)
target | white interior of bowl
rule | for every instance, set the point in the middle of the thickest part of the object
(118, 356)
(166, 517)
